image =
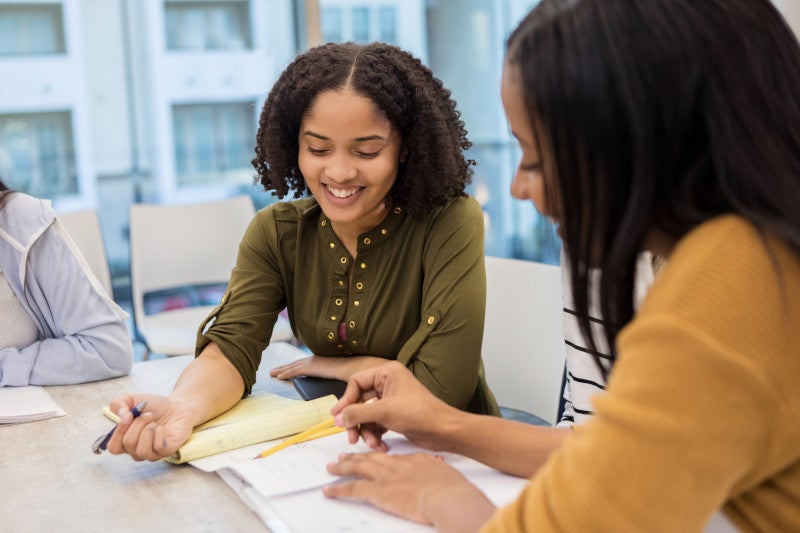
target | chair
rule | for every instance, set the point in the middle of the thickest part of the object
(84, 229)
(523, 341)
(184, 246)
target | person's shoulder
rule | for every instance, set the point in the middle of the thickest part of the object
(461, 208)
(290, 210)
(24, 215)
(726, 240)
(723, 263)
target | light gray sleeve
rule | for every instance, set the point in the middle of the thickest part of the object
(87, 336)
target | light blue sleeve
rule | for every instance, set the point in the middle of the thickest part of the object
(88, 339)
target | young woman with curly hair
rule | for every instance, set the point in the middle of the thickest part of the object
(378, 257)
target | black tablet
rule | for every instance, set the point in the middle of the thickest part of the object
(311, 388)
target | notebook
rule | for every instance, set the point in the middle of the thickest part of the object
(258, 418)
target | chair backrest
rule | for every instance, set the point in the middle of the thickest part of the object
(84, 228)
(181, 245)
(523, 341)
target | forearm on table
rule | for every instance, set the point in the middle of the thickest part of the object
(209, 386)
(513, 447)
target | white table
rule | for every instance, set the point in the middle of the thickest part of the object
(51, 481)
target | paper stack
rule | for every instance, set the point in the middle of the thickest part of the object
(26, 404)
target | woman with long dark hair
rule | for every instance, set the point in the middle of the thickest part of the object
(661, 125)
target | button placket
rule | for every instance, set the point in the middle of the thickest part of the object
(339, 296)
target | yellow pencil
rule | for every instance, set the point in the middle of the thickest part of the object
(323, 429)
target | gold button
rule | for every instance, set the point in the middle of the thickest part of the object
(341, 283)
(343, 260)
(431, 320)
(332, 245)
(367, 240)
(333, 317)
(363, 265)
(356, 303)
(352, 324)
(397, 210)
(323, 223)
(383, 232)
(359, 285)
(330, 335)
(338, 301)
(354, 343)
(339, 346)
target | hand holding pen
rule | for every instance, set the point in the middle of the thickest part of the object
(102, 441)
(157, 433)
(403, 405)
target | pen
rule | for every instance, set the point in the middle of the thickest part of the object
(101, 442)
(323, 429)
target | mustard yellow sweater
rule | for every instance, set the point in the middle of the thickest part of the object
(702, 411)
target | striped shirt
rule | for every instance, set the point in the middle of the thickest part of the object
(584, 379)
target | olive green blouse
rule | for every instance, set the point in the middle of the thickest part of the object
(417, 294)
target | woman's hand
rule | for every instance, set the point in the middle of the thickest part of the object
(401, 403)
(326, 367)
(419, 487)
(157, 433)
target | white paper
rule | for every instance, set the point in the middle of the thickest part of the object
(282, 488)
(27, 404)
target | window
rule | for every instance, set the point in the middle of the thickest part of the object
(359, 22)
(37, 153)
(331, 24)
(360, 17)
(207, 25)
(31, 29)
(387, 24)
(214, 142)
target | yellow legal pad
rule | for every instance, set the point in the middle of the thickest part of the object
(257, 418)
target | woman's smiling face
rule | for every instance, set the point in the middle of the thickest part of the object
(349, 154)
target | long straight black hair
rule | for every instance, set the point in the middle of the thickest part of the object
(659, 114)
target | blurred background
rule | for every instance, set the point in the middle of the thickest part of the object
(107, 103)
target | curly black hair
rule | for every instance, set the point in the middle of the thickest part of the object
(435, 169)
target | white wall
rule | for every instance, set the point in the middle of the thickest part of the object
(791, 11)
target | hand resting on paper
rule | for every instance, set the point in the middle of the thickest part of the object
(404, 405)
(419, 487)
